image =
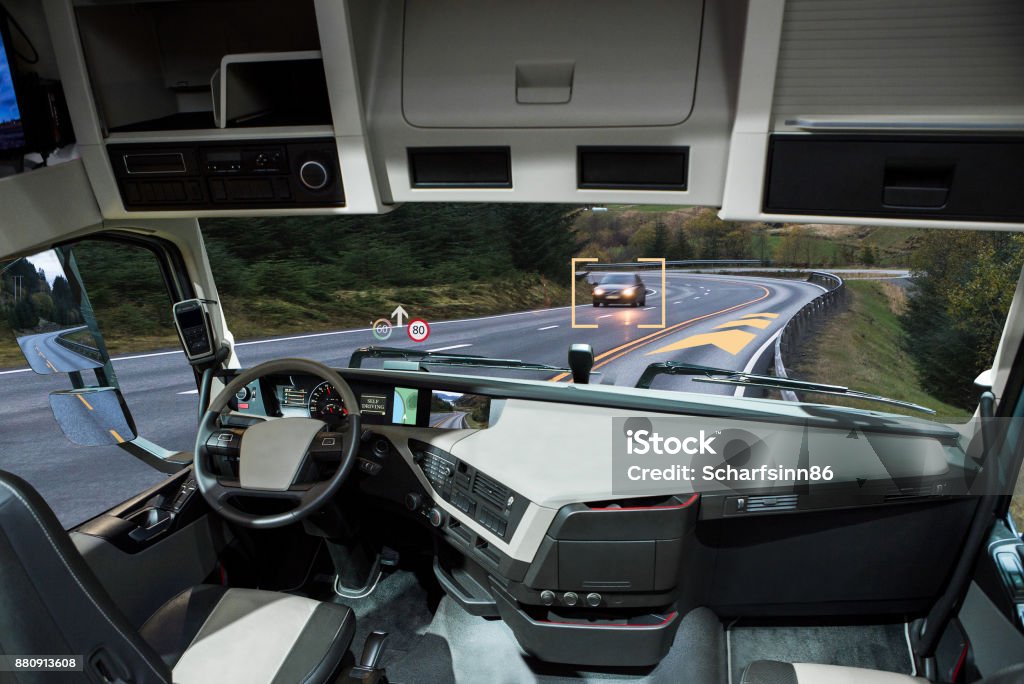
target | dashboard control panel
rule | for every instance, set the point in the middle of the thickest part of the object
(228, 175)
(488, 502)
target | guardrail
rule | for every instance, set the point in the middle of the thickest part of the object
(85, 350)
(797, 328)
(680, 263)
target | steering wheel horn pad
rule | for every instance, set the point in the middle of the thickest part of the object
(270, 456)
(272, 452)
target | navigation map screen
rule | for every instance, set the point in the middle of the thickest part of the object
(456, 410)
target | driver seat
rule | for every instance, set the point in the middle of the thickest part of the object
(51, 604)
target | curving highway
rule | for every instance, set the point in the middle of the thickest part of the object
(718, 320)
(46, 355)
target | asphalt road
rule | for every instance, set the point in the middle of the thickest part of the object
(725, 321)
(455, 419)
(46, 355)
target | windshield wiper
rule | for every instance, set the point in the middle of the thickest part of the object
(439, 359)
(723, 376)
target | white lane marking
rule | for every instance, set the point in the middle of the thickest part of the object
(753, 360)
(20, 370)
(648, 308)
(822, 287)
(605, 316)
(547, 327)
(677, 302)
(454, 346)
(195, 391)
(650, 291)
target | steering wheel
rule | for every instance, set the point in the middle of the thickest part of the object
(271, 454)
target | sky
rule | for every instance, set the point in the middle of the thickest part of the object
(8, 105)
(49, 262)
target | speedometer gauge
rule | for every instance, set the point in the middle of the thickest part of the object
(325, 403)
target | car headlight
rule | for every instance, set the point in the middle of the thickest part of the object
(598, 290)
(629, 290)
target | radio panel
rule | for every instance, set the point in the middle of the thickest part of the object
(488, 502)
(228, 175)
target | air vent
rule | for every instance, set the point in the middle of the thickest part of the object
(765, 504)
(490, 491)
(906, 493)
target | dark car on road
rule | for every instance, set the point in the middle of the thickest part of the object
(620, 288)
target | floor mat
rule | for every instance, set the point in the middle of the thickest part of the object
(877, 647)
(402, 607)
(486, 651)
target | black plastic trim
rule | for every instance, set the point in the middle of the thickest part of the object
(632, 168)
(896, 176)
(460, 167)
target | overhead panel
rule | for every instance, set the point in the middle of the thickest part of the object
(538, 63)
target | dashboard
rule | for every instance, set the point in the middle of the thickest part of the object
(538, 531)
(305, 396)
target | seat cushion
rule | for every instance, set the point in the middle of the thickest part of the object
(215, 634)
(774, 672)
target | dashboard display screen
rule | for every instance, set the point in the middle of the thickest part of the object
(404, 406)
(380, 403)
(456, 410)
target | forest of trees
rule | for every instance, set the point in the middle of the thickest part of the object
(30, 301)
(963, 285)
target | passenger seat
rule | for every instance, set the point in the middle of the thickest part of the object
(774, 672)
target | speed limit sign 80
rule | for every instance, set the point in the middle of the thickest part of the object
(418, 330)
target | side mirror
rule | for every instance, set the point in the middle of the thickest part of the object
(95, 416)
(581, 361)
(51, 316)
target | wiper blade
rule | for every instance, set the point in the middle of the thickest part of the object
(440, 359)
(723, 376)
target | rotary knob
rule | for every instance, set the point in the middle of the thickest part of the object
(413, 501)
(570, 598)
(547, 597)
(435, 517)
(314, 175)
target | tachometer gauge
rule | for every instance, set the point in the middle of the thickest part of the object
(325, 403)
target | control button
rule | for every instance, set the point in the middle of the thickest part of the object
(547, 597)
(413, 501)
(593, 599)
(313, 175)
(570, 598)
(380, 448)
(327, 441)
(435, 517)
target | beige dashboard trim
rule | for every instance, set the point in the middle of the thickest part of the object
(535, 521)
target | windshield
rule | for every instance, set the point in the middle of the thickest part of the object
(617, 279)
(908, 314)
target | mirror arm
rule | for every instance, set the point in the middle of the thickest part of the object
(169, 462)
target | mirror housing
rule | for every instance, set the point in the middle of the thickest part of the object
(94, 416)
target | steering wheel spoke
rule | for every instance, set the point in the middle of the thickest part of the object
(296, 442)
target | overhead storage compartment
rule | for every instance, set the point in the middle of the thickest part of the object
(535, 63)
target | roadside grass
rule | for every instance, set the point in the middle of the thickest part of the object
(132, 328)
(862, 348)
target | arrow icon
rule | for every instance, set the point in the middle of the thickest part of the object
(399, 314)
(731, 341)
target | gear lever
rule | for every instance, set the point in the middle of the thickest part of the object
(366, 670)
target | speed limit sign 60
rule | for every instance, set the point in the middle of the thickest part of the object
(418, 330)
